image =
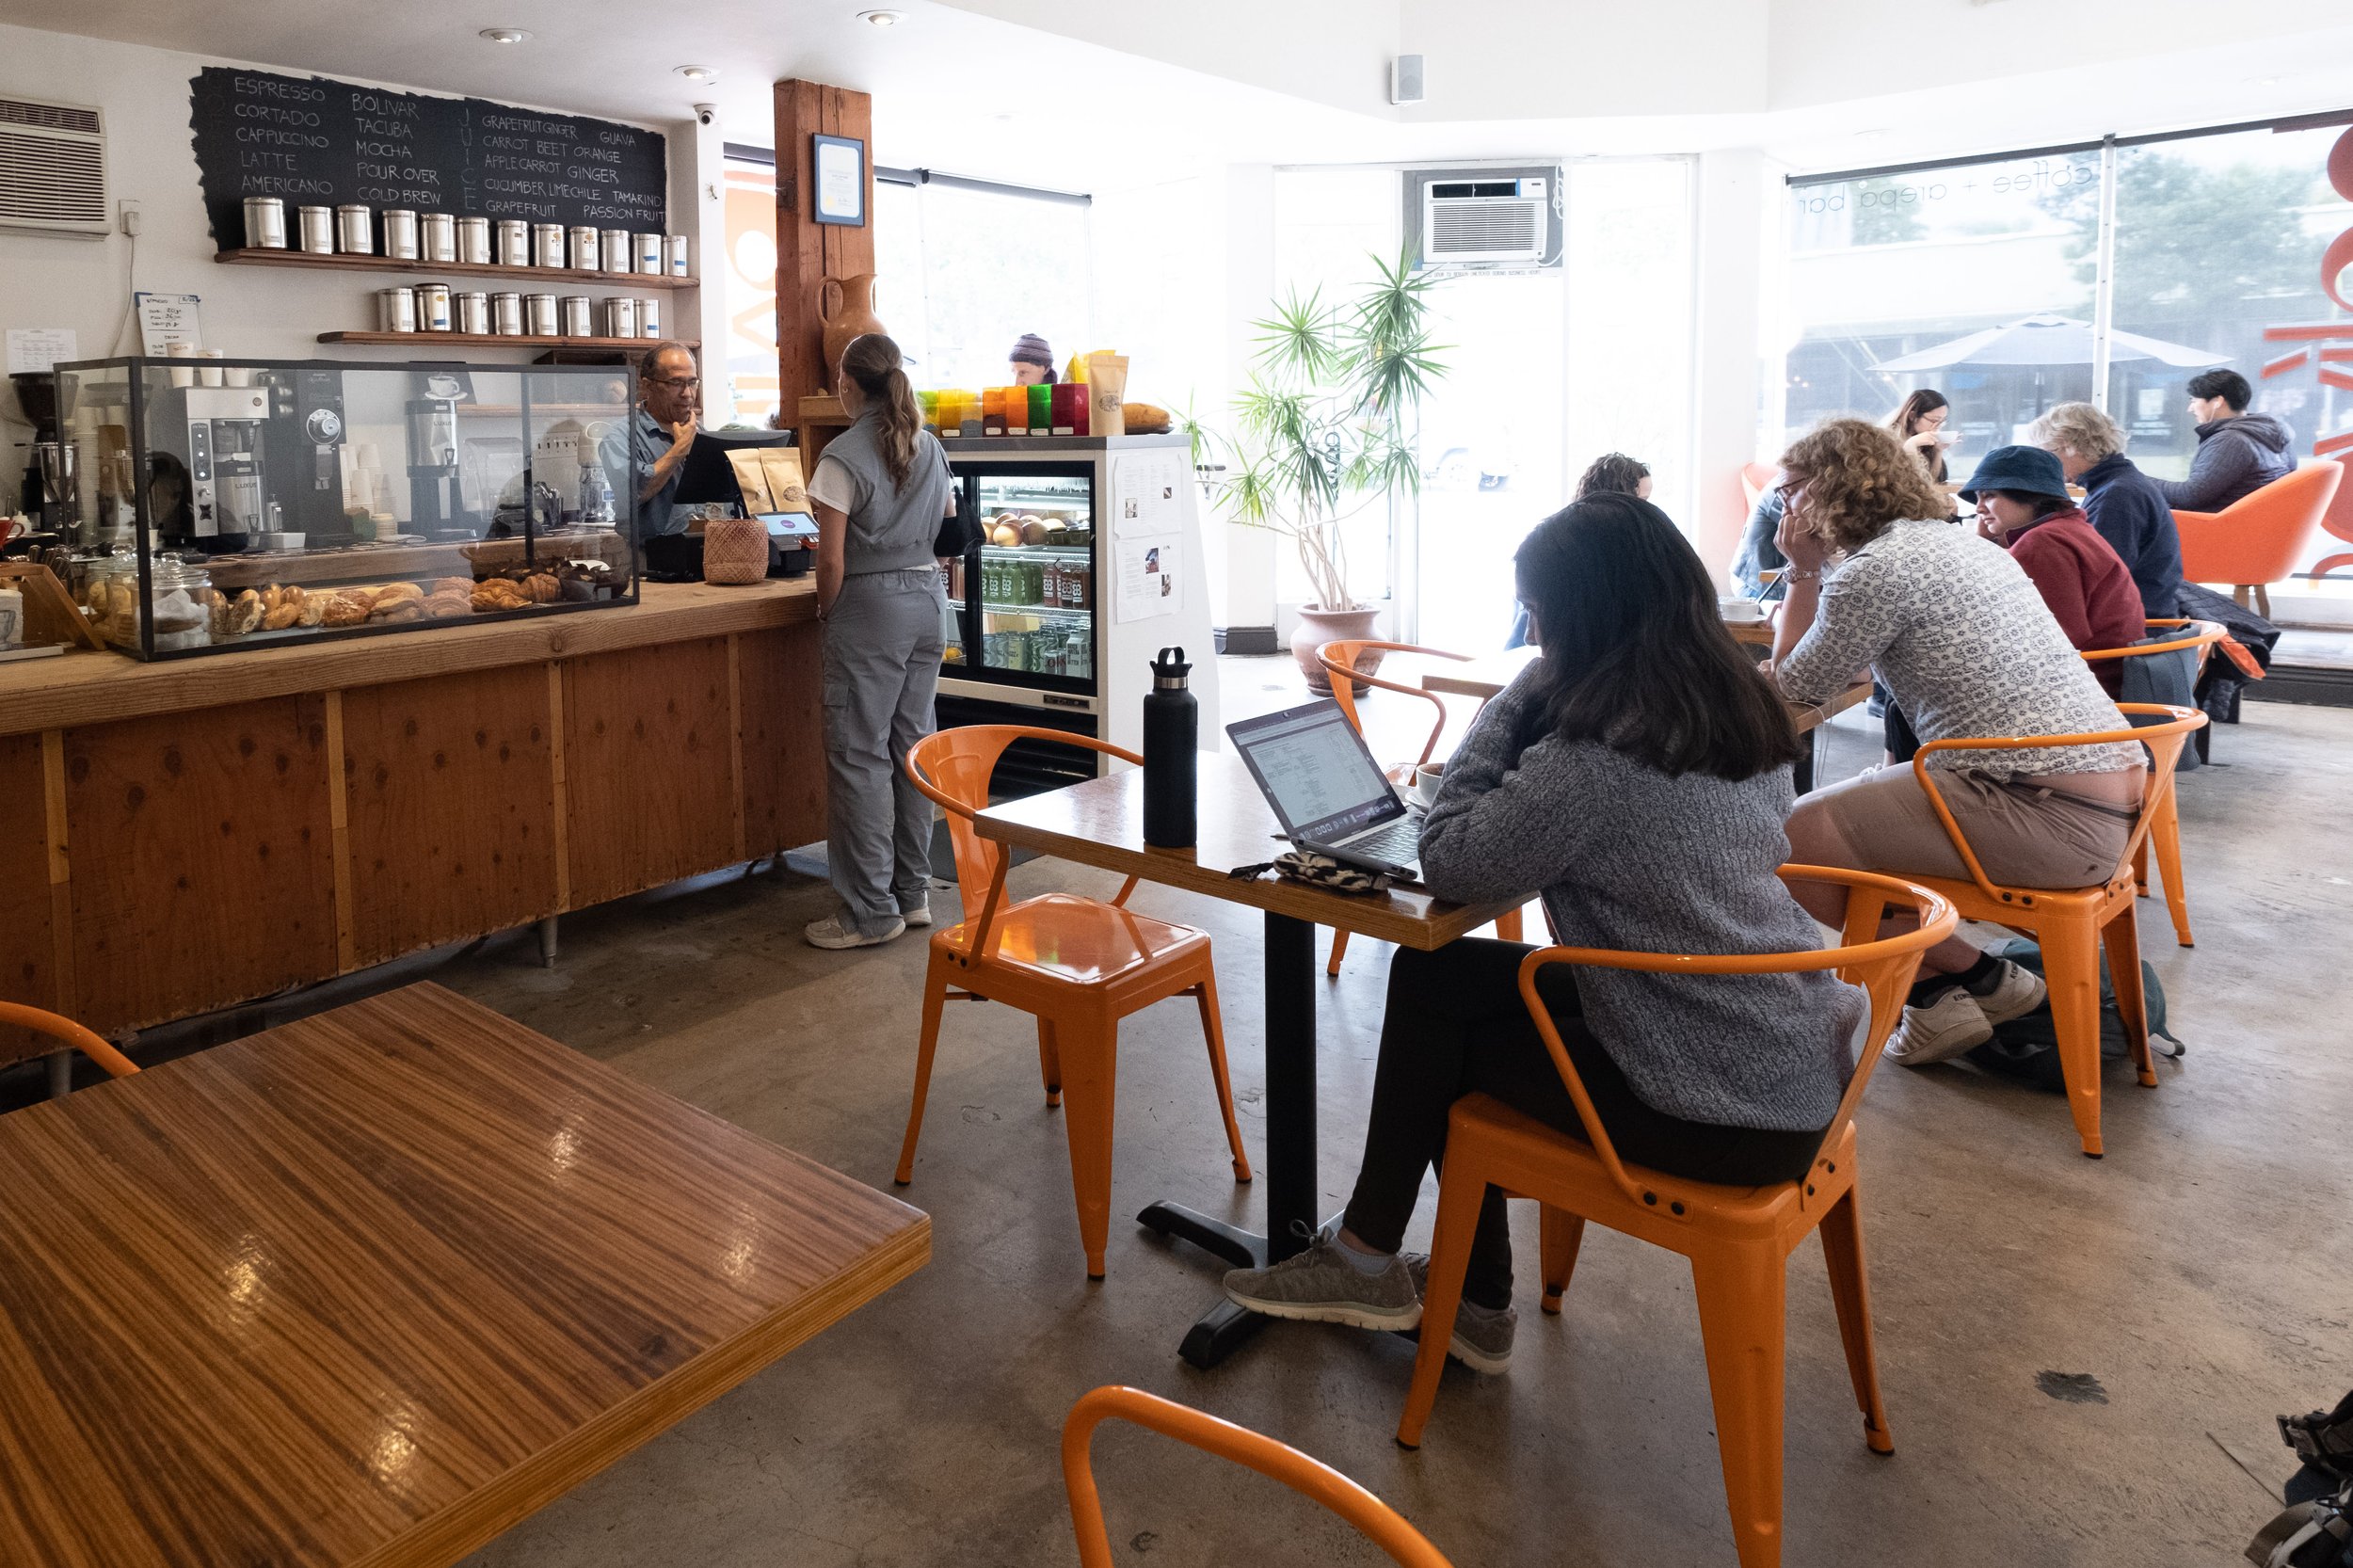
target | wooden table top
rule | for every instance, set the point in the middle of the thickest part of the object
(96, 687)
(370, 1287)
(1101, 823)
(1486, 677)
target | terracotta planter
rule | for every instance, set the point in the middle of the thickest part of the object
(1318, 626)
(846, 307)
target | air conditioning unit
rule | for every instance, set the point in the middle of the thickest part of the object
(52, 167)
(1503, 219)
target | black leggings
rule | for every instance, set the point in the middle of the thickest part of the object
(1456, 1026)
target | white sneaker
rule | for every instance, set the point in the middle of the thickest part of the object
(919, 917)
(830, 934)
(2017, 991)
(1952, 1025)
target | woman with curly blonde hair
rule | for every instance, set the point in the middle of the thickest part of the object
(1961, 637)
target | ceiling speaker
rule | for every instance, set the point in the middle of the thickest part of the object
(1405, 79)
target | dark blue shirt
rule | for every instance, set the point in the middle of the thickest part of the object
(627, 466)
(2125, 507)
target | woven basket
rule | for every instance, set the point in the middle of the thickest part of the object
(735, 550)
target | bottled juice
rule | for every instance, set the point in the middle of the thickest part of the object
(1041, 409)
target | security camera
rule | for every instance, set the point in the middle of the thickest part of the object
(706, 113)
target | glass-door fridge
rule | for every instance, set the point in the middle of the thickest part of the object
(1023, 598)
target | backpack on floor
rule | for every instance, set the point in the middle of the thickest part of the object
(2315, 1530)
(2027, 1047)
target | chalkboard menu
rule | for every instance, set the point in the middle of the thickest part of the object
(318, 142)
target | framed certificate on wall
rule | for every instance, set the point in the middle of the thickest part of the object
(840, 169)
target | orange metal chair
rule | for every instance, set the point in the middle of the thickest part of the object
(1374, 1519)
(1738, 1238)
(1339, 661)
(1755, 477)
(1078, 964)
(2165, 826)
(2258, 539)
(2338, 519)
(2073, 924)
(14, 1048)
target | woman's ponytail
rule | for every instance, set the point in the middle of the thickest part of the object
(874, 364)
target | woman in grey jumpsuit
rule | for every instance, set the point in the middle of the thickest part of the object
(881, 491)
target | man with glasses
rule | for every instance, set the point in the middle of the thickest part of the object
(661, 433)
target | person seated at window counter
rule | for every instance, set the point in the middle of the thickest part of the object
(2239, 453)
(660, 434)
(2024, 506)
(1032, 361)
(1968, 648)
(1612, 474)
(1919, 424)
(1637, 775)
(2123, 504)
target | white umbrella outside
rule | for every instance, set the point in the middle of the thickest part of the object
(2042, 340)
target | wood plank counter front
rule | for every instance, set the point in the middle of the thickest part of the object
(370, 1287)
(181, 835)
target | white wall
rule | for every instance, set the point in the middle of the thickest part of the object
(1583, 59)
(258, 311)
(1739, 195)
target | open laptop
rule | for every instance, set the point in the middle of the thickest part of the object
(1326, 789)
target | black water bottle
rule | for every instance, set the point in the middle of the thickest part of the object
(1171, 725)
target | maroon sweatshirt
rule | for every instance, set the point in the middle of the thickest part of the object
(2086, 583)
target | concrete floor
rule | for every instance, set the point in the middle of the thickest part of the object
(2200, 1273)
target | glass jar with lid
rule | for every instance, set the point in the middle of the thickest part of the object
(178, 608)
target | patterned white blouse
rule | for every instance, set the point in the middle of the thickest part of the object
(1961, 636)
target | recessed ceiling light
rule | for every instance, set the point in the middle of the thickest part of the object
(881, 19)
(505, 35)
(696, 72)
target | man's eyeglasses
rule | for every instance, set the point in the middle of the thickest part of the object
(684, 383)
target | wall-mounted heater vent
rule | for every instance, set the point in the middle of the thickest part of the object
(53, 166)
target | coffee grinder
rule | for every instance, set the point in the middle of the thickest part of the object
(436, 499)
(303, 444)
(48, 489)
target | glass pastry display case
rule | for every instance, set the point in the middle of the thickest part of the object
(227, 504)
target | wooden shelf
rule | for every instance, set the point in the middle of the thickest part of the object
(487, 340)
(341, 261)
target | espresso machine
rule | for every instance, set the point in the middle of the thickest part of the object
(436, 499)
(303, 444)
(220, 432)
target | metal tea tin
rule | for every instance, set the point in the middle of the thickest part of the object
(473, 241)
(579, 316)
(355, 229)
(584, 248)
(473, 312)
(677, 255)
(620, 317)
(438, 237)
(539, 315)
(400, 232)
(397, 309)
(514, 242)
(649, 319)
(654, 254)
(433, 307)
(507, 314)
(619, 251)
(547, 245)
(266, 222)
(315, 229)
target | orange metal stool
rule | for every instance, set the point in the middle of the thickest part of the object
(2165, 826)
(1078, 964)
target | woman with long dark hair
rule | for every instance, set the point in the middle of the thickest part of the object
(881, 491)
(1919, 424)
(1612, 473)
(1638, 775)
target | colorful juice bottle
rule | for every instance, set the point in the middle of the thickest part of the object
(1041, 409)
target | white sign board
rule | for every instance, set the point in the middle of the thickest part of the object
(166, 319)
(33, 349)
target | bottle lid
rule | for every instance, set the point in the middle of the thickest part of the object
(1169, 670)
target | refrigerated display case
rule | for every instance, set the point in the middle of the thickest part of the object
(1035, 636)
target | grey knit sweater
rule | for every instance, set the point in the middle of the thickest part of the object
(1626, 856)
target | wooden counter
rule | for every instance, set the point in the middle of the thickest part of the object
(181, 835)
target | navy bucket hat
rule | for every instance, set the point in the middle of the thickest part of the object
(2026, 470)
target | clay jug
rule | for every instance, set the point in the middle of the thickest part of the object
(847, 307)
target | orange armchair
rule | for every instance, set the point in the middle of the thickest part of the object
(1309, 1478)
(2257, 539)
(2338, 519)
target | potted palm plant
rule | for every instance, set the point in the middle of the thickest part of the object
(1324, 430)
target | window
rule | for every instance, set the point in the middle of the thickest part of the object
(749, 270)
(1629, 261)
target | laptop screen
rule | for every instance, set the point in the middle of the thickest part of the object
(1316, 771)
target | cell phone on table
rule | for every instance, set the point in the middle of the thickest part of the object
(1775, 585)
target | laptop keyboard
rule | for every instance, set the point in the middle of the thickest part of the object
(1399, 843)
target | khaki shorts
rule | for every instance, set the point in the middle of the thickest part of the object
(2024, 836)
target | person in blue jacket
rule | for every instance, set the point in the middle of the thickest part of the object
(2122, 505)
(2239, 453)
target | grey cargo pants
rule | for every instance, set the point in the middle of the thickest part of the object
(882, 649)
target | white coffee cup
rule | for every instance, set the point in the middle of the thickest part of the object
(1427, 778)
(1744, 612)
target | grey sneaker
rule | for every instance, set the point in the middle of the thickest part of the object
(1482, 1335)
(919, 917)
(1952, 1025)
(831, 934)
(2016, 991)
(1318, 1285)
